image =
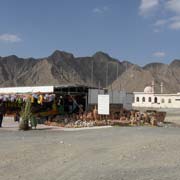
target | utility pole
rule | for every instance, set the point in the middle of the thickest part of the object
(125, 71)
(107, 75)
(61, 72)
(117, 71)
(99, 86)
(92, 72)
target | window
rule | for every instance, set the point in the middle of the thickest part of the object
(137, 99)
(169, 101)
(162, 100)
(155, 100)
(143, 99)
(149, 99)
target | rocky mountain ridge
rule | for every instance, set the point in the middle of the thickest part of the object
(99, 70)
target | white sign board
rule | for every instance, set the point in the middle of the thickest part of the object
(103, 104)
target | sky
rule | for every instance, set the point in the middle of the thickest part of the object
(140, 31)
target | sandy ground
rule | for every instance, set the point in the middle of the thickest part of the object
(117, 153)
(173, 116)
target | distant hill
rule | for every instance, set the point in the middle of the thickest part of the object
(63, 68)
(136, 77)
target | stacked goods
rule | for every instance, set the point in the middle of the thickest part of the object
(121, 118)
(161, 116)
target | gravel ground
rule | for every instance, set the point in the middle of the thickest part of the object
(173, 115)
(118, 153)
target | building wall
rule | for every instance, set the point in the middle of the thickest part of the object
(161, 101)
(129, 100)
(116, 97)
(93, 95)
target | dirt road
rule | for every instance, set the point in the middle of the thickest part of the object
(118, 153)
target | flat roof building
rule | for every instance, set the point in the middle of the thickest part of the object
(150, 99)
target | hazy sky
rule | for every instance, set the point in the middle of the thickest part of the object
(140, 31)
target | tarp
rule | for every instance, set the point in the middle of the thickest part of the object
(21, 90)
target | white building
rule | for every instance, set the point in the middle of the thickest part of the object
(150, 99)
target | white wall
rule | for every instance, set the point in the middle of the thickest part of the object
(175, 100)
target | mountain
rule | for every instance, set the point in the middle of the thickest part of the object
(134, 78)
(137, 78)
(60, 68)
(98, 70)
